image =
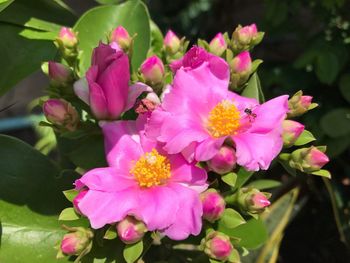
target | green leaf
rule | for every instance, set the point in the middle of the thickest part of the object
(304, 138)
(68, 214)
(336, 123)
(133, 252)
(327, 67)
(111, 233)
(230, 219)
(156, 38)
(323, 173)
(264, 184)
(70, 194)
(242, 177)
(252, 91)
(344, 86)
(96, 23)
(229, 178)
(5, 3)
(20, 56)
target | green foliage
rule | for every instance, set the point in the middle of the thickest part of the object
(97, 23)
(336, 123)
(229, 220)
(133, 252)
(304, 138)
(263, 184)
(253, 89)
(229, 179)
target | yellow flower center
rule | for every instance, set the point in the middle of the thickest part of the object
(223, 119)
(151, 169)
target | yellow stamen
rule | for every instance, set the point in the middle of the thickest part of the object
(151, 169)
(223, 119)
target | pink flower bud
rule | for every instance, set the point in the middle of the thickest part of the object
(218, 246)
(152, 70)
(247, 33)
(218, 45)
(299, 104)
(308, 160)
(316, 159)
(171, 42)
(224, 161)
(291, 132)
(121, 36)
(59, 73)
(67, 37)
(78, 199)
(252, 201)
(242, 63)
(213, 205)
(61, 113)
(76, 241)
(260, 201)
(305, 101)
(131, 230)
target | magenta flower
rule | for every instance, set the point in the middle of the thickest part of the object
(143, 181)
(199, 114)
(108, 92)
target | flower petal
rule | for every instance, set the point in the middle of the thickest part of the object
(135, 91)
(208, 148)
(81, 89)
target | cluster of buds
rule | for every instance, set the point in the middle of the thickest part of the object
(61, 114)
(76, 243)
(67, 43)
(244, 38)
(224, 161)
(299, 104)
(218, 246)
(213, 205)
(120, 39)
(131, 230)
(291, 132)
(251, 201)
(173, 46)
(307, 160)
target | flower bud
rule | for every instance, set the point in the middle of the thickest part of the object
(246, 34)
(218, 45)
(252, 201)
(130, 230)
(77, 241)
(152, 70)
(308, 159)
(217, 246)
(224, 161)
(77, 200)
(121, 36)
(213, 205)
(291, 132)
(171, 42)
(67, 37)
(242, 63)
(61, 113)
(59, 74)
(300, 104)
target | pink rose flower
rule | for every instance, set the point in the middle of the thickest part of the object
(144, 181)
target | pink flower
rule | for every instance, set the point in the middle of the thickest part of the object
(143, 181)
(218, 246)
(108, 92)
(291, 132)
(218, 45)
(171, 42)
(224, 161)
(67, 37)
(247, 33)
(77, 200)
(241, 63)
(197, 125)
(152, 70)
(131, 230)
(121, 36)
(196, 56)
(213, 205)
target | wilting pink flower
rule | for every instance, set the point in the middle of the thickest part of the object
(197, 126)
(213, 205)
(76, 241)
(291, 132)
(171, 42)
(224, 161)
(108, 92)
(121, 36)
(144, 181)
(77, 200)
(152, 70)
(218, 45)
(196, 56)
(241, 63)
(218, 246)
(131, 230)
(247, 33)
(61, 113)
(59, 73)
(67, 37)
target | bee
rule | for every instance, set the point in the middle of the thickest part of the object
(250, 113)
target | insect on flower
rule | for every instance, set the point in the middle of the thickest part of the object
(250, 113)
